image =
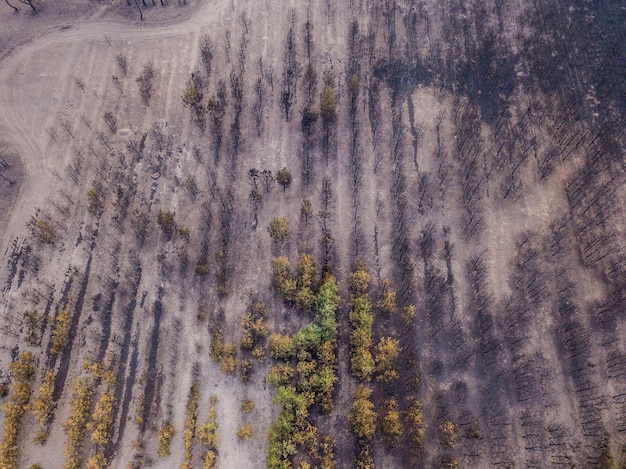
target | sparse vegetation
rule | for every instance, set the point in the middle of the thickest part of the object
(144, 81)
(180, 167)
(42, 229)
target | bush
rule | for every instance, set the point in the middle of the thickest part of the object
(103, 413)
(165, 436)
(361, 320)
(94, 202)
(207, 433)
(279, 229)
(415, 424)
(281, 275)
(328, 106)
(247, 406)
(280, 375)
(385, 353)
(362, 417)
(409, 313)
(42, 407)
(359, 281)
(387, 302)
(449, 433)
(244, 432)
(391, 425)
(41, 229)
(304, 295)
(191, 415)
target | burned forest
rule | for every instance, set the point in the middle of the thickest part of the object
(313, 234)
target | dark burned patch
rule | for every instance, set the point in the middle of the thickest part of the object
(11, 176)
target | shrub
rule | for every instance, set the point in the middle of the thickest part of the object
(449, 433)
(279, 229)
(281, 346)
(244, 432)
(362, 417)
(191, 416)
(61, 329)
(361, 320)
(415, 424)
(281, 276)
(359, 281)
(165, 436)
(280, 375)
(247, 406)
(42, 407)
(391, 425)
(387, 302)
(385, 354)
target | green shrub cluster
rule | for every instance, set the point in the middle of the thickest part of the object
(310, 382)
(296, 289)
